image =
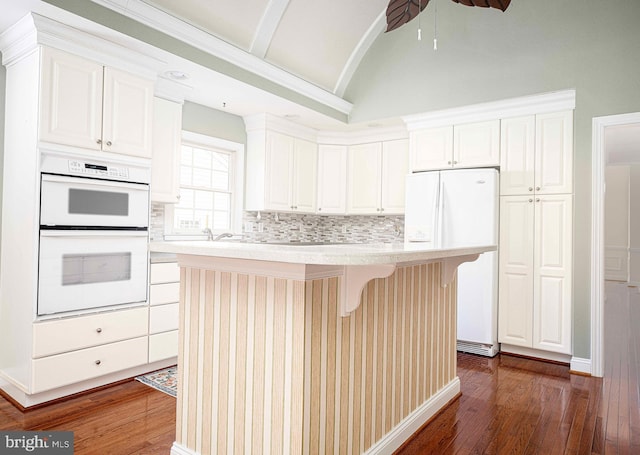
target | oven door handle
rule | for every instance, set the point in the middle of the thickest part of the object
(77, 233)
(94, 181)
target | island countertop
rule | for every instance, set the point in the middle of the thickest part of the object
(319, 254)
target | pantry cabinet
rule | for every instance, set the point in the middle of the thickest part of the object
(281, 173)
(535, 272)
(332, 179)
(165, 163)
(376, 177)
(537, 154)
(85, 104)
(455, 146)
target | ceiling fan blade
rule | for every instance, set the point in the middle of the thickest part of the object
(497, 4)
(399, 12)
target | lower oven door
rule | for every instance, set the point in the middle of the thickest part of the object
(81, 270)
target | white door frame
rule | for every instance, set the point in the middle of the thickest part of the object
(599, 162)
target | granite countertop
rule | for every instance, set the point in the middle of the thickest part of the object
(322, 254)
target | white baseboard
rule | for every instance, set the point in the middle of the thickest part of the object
(177, 449)
(412, 423)
(579, 365)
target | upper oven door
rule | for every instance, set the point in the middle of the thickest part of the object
(75, 201)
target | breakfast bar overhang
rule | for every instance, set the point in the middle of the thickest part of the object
(295, 349)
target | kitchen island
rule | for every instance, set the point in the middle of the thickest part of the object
(291, 349)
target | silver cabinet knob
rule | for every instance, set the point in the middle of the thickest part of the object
(99, 330)
(530, 200)
(537, 188)
(537, 199)
(319, 209)
(455, 162)
(382, 209)
(109, 143)
(98, 141)
(530, 188)
(448, 162)
(98, 362)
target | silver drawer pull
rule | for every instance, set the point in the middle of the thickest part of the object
(98, 362)
(99, 330)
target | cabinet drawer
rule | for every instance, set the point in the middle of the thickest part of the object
(163, 346)
(163, 318)
(165, 272)
(68, 368)
(55, 337)
(164, 293)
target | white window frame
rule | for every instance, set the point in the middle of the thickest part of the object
(237, 151)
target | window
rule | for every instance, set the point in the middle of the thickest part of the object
(210, 186)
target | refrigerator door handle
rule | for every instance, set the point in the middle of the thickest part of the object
(439, 213)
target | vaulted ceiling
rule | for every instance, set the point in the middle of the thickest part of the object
(318, 41)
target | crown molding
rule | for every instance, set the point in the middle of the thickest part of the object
(176, 28)
(512, 107)
(35, 30)
(264, 121)
(362, 136)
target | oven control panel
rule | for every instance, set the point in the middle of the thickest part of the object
(98, 170)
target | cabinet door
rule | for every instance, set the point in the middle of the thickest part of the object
(476, 144)
(515, 296)
(554, 153)
(431, 148)
(70, 100)
(128, 114)
(304, 176)
(332, 179)
(395, 166)
(279, 172)
(552, 277)
(165, 164)
(517, 155)
(364, 177)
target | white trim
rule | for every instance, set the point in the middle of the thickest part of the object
(535, 353)
(179, 449)
(264, 121)
(267, 27)
(579, 365)
(512, 107)
(359, 52)
(598, 164)
(33, 30)
(176, 28)
(412, 423)
(363, 136)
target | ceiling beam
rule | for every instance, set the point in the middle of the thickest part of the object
(264, 34)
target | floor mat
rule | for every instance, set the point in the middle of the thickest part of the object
(164, 380)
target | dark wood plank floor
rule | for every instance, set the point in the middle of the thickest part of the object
(508, 405)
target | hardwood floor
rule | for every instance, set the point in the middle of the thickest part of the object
(508, 405)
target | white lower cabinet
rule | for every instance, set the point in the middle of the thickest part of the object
(535, 282)
(164, 296)
(71, 367)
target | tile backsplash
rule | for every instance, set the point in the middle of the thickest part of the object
(293, 227)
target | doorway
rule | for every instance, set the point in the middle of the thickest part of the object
(600, 125)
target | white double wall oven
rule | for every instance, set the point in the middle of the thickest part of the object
(94, 222)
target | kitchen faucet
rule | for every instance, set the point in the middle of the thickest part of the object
(216, 238)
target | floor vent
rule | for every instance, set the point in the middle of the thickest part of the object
(486, 350)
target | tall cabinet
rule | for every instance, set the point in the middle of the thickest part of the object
(536, 231)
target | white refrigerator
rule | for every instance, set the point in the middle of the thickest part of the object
(457, 208)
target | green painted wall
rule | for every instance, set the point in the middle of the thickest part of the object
(211, 122)
(534, 47)
(3, 84)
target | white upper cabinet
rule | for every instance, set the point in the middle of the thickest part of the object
(165, 163)
(364, 180)
(84, 104)
(458, 146)
(332, 179)
(395, 166)
(376, 177)
(431, 148)
(281, 172)
(537, 154)
(476, 144)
